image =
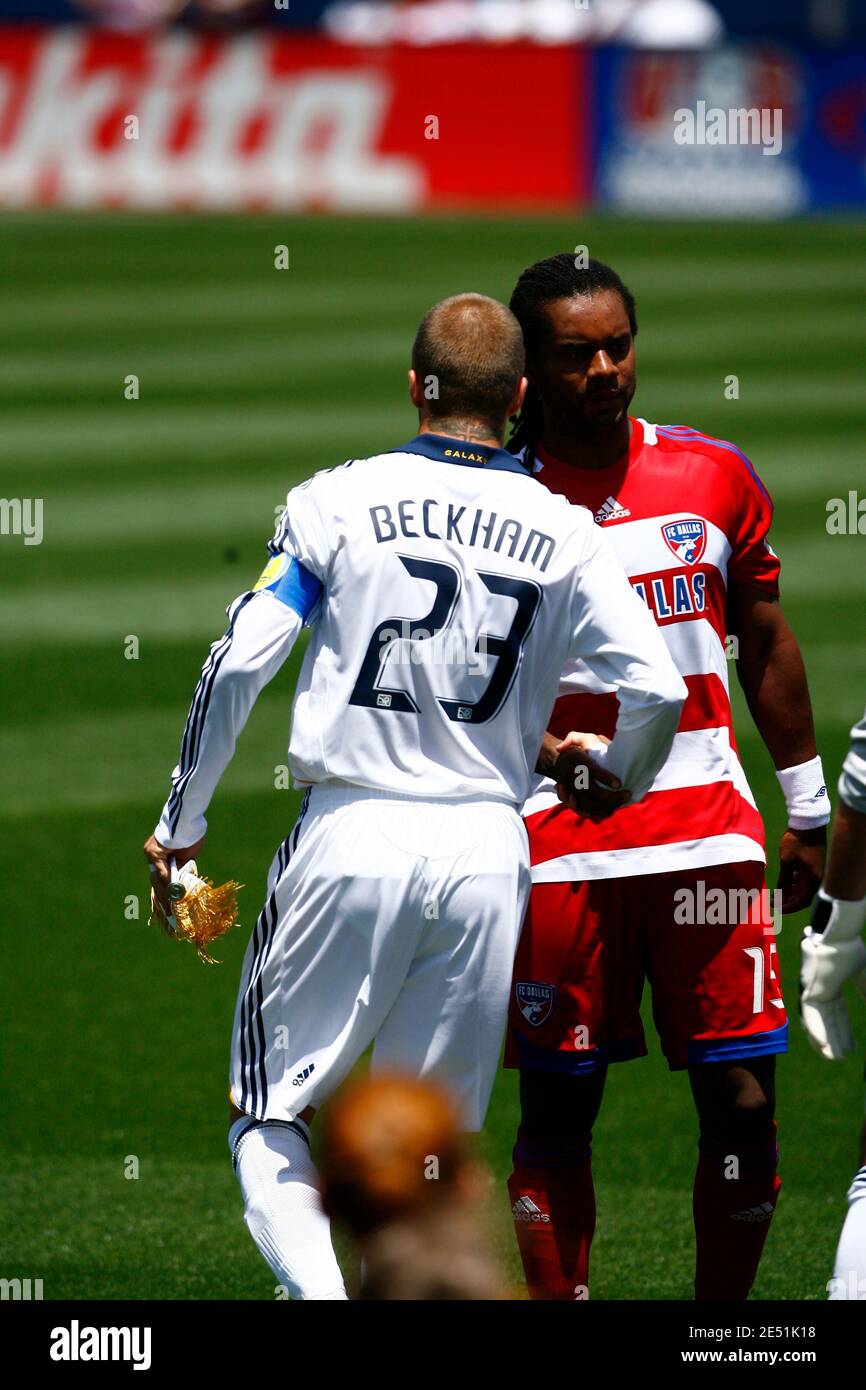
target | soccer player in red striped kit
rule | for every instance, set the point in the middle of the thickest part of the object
(622, 899)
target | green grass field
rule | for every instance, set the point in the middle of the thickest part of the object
(156, 513)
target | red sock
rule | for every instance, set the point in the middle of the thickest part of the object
(732, 1216)
(553, 1206)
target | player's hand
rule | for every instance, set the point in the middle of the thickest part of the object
(583, 784)
(160, 859)
(801, 867)
(824, 968)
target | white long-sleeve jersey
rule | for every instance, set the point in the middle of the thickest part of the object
(446, 589)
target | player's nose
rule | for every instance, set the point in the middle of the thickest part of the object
(602, 364)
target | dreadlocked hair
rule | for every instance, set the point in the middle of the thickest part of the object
(557, 277)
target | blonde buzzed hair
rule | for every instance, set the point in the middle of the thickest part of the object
(468, 356)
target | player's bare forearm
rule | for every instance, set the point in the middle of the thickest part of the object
(771, 672)
(773, 677)
(846, 864)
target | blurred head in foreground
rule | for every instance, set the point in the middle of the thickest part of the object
(396, 1175)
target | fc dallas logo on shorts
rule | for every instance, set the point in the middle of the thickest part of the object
(687, 539)
(534, 1001)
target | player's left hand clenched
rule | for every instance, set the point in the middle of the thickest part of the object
(582, 783)
(161, 860)
(801, 866)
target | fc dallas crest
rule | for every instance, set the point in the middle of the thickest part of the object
(534, 1001)
(687, 539)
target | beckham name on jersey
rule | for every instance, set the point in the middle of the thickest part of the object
(465, 526)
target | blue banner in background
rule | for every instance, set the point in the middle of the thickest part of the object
(833, 146)
(748, 130)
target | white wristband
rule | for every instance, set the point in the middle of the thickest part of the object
(805, 793)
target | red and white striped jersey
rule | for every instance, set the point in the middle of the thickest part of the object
(686, 514)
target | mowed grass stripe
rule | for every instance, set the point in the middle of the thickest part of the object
(314, 287)
(93, 762)
(177, 508)
(201, 363)
(818, 456)
(257, 363)
(832, 566)
(189, 528)
(249, 309)
(807, 570)
(678, 337)
(159, 607)
(115, 758)
(762, 395)
(108, 433)
(130, 433)
(187, 263)
(281, 298)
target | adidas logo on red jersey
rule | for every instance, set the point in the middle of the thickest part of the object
(610, 511)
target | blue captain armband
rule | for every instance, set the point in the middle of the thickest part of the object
(290, 582)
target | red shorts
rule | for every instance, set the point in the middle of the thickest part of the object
(709, 955)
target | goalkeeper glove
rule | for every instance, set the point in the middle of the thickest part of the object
(832, 951)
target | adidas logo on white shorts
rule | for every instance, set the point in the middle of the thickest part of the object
(524, 1209)
(610, 511)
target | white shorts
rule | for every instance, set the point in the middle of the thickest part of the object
(387, 918)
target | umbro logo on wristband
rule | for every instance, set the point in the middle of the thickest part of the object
(807, 807)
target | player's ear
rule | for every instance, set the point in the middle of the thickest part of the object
(416, 394)
(517, 399)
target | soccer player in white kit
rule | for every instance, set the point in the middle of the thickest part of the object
(445, 590)
(833, 952)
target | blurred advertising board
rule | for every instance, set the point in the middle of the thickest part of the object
(754, 130)
(267, 120)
